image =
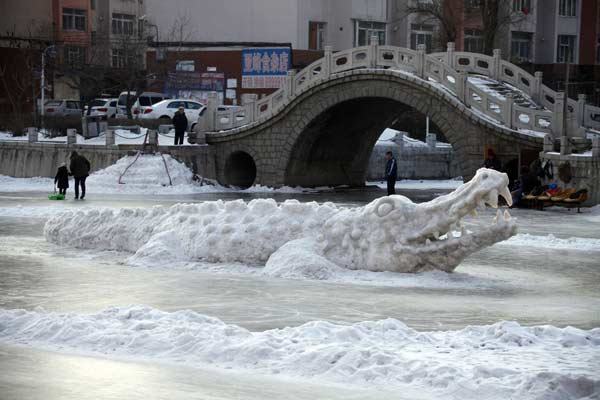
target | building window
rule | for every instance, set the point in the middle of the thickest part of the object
(474, 40)
(520, 46)
(73, 19)
(94, 37)
(421, 34)
(121, 58)
(523, 6)
(74, 55)
(93, 4)
(567, 8)
(363, 30)
(470, 4)
(122, 24)
(565, 50)
(316, 35)
(598, 51)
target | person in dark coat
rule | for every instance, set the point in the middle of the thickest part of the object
(492, 161)
(391, 173)
(61, 180)
(80, 169)
(180, 123)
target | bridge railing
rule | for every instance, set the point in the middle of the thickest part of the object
(446, 71)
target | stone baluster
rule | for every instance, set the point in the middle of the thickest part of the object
(152, 137)
(109, 137)
(212, 104)
(548, 143)
(565, 145)
(431, 140)
(290, 87)
(497, 59)
(421, 60)
(596, 146)
(450, 54)
(373, 50)
(558, 115)
(461, 86)
(32, 135)
(509, 110)
(327, 56)
(537, 87)
(581, 100)
(71, 136)
(250, 105)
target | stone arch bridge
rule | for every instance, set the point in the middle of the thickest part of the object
(321, 127)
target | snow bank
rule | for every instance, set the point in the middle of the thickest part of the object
(505, 359)
(233, 231)
(148, 170)
(552, 242)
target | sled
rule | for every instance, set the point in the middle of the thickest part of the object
(56, 196)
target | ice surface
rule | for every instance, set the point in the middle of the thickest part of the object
(505, 359)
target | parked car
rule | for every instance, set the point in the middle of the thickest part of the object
(107, 107)
(145, 100)
(166, 109)
(63, 108)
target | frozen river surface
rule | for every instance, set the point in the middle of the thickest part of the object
(536, 279)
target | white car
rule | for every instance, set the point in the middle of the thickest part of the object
(166, 109)
(107, 107)
(145, 100)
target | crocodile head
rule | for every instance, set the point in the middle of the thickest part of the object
(394, 234)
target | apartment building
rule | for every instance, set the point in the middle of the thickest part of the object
(306, 24)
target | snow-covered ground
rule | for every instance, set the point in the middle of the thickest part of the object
(505, 360)
(148, 175)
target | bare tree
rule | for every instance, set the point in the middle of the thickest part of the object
(496, 16)
(439, 12)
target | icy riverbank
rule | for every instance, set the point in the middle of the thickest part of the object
(505, 360)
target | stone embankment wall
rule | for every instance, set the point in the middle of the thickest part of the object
(26, 160)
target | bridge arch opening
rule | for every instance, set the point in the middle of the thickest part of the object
(240, 170)
(336, 146)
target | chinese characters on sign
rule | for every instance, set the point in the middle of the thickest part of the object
(265, 68)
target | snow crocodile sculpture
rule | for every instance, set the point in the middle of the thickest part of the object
(389, 234)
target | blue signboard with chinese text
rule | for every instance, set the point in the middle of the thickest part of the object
(265, 67)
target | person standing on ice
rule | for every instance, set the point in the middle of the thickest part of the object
(61, 180)
(391, 173)
(180, 123)
(80, 169)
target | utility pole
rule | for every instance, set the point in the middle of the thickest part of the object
(43, 83)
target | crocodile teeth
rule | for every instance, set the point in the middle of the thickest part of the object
(497, 217)
(507, 216)
(505, 193)
(436, 234)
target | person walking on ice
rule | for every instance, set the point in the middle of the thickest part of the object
(61, 180)
(180, 123)
(80, 169)
(391, 173)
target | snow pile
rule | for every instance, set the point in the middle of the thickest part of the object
(505, 358)
(211, 231)
(148, 170)
(552, 242)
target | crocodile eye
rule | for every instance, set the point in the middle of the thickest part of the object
(484, 175)
(384, 209)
